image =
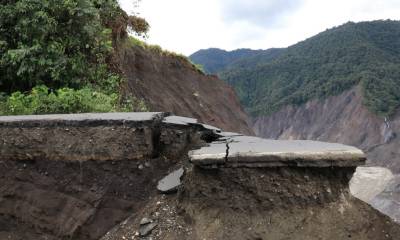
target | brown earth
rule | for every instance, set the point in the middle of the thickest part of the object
(70, 200)
(266, 203)
(88, 198)
(45, 195)
(168, 83)
(341, 119)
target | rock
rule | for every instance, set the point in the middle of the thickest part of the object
(145, 221)
(140, 167)
(388, 136)
(171, 182)
(368, 182)
(388, 201)
(146, 229)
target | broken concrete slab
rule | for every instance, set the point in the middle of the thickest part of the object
(171, 182)
(180, 120)
(145, 221)
(81, 118)
(96, 136)
(229, 134)
(185, 121)
(245, 151)
(146, 229)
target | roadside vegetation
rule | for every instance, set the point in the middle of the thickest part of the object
(56, 56)
(156, 49)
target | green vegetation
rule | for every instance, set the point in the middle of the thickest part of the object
(366, 54)
(155, 48)
(199, 67)
(162, 52)
(41, 100)
(54, 56)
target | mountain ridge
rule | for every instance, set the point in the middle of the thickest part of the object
(364, 53)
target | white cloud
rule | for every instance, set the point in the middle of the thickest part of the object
(186, 26)
(264, 13)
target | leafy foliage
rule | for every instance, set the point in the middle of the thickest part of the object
(366, 53)
(66, 100)
(52, 42)
(156, 49)
(63, 45)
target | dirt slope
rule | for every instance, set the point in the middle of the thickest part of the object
(341, 119)
(170, 84)
(260, 204)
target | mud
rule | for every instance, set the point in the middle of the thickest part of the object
(71, 200)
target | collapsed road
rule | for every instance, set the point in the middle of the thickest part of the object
(95, 176)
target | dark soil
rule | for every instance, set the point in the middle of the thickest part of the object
(168, 83)
(262, 204)
(72, 200)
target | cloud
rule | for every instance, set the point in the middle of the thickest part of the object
(261, 13)
(186, 26)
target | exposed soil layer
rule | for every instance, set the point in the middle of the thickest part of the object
(343, 119)
(267, 203)
(89, 197)
(280, 203)
(72, 200)
(168, 83)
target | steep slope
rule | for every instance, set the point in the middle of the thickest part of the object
(170, 83)
(342, 119)
(327, 64)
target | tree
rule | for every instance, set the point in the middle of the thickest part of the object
(59, 43)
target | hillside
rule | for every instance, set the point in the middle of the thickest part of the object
(216, 60)
(168, 82)
(365, 53)
(341, 118)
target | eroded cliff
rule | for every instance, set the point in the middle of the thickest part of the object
(170, 83)
(341, 119)
(234, 187)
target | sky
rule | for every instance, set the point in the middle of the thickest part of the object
(185, 26)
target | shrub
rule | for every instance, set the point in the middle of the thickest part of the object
(43, 100)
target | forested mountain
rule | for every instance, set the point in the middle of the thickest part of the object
(215, 60)
(365, 53)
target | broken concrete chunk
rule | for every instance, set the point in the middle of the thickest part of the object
(171, 182)
(177, 120)
(81, 117)
(229, 134)
(145, 221)
(146, 229)
(185, 121)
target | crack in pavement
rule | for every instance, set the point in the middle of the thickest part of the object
(227, 149)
